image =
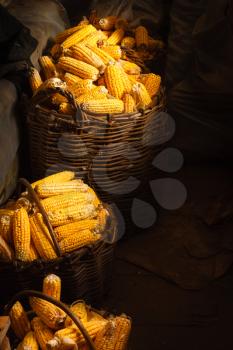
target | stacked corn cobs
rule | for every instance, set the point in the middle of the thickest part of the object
(101, 62)
(52, 329)
(74, 211)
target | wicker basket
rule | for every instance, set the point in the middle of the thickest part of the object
(107, 150)
(86, 273)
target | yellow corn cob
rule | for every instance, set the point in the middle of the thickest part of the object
(116, 37)
(130, 67)
(125, 79)
(29, 342)
(53, 189)
(82, 84)
(41, 237)
(56, 51)
(57, 99)
(47, 66)
(66, 108)
(106, 58)
(6, 253)
(78, 91)
(106, 338)
(52, 286)
(123, 327)
(110, 106)
(101, 81)
(60, 37)
(152, 83)
(113, 50)
(141, 95)
(35, 80)
(107, 33)
(6, 228)
(78, 36)
(94, 38)
(134, 78)
(50, 314)
(7, 210)
(83, 53)
(94, 316)
(70, 214)
(141, 36)
(65, 200)
(121, 23)
(93, 95)
(42, 333)
(19, 320)
(79, 309)
(33, 255)
(72, 79)
(129, 103)
(115, 81)
(128, 42)
(75, 228)
(108, 22)
(76, 241)
(23, 202)
(77, 67)
(55, 178)
(96, 201)
(21, 234)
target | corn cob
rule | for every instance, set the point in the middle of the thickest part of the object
(121, 23)
(33, 255)
(19, 320)
(115, 80)
(65, 200)
(29, 342)
(47, 67)
(21, 234)
(77, 67)
(123, 327)
(83, 53)
(130, 67)
(103, 216)
(6, 228)
(94, 38)
(152, 83)
(57, 99)
(76, 241)
(125, 79)
(96, 201)
(78, 36)
(95, 94)
(60, 37)
(106, 338)
(50, 314)
(116, 37)
(7, 211)
(75, 227)
(110, 106)
(42, 333)
(6, 253)
(134, 78)
(72, 79)
(55, 178)
(141, 37)
(129, 103)
(105, 57)
(83, 83)
(113, 50)
(53, 189)
(56, 51)
(64, 343)
(35, 80)
(52, 286)
(23, 202)
(78, 309)
(128, 42)
(141, 94)
(66, 108)
(70, 214)
(107, 23)
(41, 237)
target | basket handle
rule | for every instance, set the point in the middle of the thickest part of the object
(43, 212)
(62, 306)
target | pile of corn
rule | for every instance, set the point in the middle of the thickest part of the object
(101, 62)
(74, 211)
(52, 329)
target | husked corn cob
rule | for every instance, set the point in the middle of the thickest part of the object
(141, 94)
(75, 228)
(57, 99)
(93, 95)
(66, 108)
(33, 255)
(123, 327)
(107, 23)
(76, 241)
(78, 36)
(77, 67)
(29, 342)
(72, 79)
(83, 84)
(130, 67)
(68, 332)
(47, 67)
(134, 78)
(115, 80)
(104, 106)
(65, 200)
(55, 178)
(94, 38)
(106, 338)
(141, 37)
(79, 309)
(6, 253)
(23, 202)
(116, 37)
(78, 91)
(53, 189)
(105, 57)
(113, 50)
(128, 42)
(41, 237)
(19, 320)
(42, 333)
(21, 234)
(8, 211)
(60, 37)
(35, 80)
(70, 214)
(83, 53)
(152, 83)
(50, 314)
(125, 79)
(56, 51)
(6, 228)
(52, 286)
(96, 201)
(129, 103)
